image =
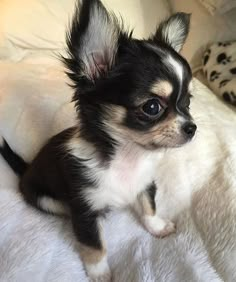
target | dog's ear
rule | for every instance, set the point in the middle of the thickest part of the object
(173, 31)
(92, 41)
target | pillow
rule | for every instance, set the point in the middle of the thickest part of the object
(27, 26)
(205, 29)
(219, 65)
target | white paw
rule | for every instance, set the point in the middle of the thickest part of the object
(106, 277)
(167, 230)
(158, 227)
(99, 272)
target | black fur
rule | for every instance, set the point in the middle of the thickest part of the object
(16, 162)
(85, 224)
(56, 173)
(62, 177)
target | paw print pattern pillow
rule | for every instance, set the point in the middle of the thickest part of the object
(219, 66)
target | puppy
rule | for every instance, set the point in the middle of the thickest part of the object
(132, 98)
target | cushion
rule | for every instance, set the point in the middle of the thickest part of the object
(219, 63)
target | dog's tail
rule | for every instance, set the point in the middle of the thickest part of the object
(18, 165)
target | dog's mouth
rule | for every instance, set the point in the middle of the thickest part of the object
(176, 141)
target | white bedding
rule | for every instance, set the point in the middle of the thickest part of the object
(40, 248)
(196, 188)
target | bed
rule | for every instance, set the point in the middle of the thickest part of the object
(196, 183)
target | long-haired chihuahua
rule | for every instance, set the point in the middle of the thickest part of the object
(132, 98)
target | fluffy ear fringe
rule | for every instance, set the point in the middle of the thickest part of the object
(92, 41)
(173, 31)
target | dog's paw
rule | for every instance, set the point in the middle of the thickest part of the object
(158, 227)
(168, 229)
(99, 272)
(106, 277)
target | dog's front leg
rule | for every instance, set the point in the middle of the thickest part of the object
(91, 246)
(145, 207)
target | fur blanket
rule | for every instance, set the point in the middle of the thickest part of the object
(196, 188)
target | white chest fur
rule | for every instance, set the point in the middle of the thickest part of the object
(130, 171)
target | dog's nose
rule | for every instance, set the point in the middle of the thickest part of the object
(189, 129)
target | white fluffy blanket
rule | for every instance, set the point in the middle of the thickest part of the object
(196, 188)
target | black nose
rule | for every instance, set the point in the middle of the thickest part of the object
(189, 129)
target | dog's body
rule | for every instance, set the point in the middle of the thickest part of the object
(132, 97)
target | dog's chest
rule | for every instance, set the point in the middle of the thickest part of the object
(128, 174)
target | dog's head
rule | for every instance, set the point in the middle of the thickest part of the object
(129, 89)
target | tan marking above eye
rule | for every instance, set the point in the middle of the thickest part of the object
(162, 88)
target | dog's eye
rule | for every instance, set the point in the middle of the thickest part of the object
(152, 107)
